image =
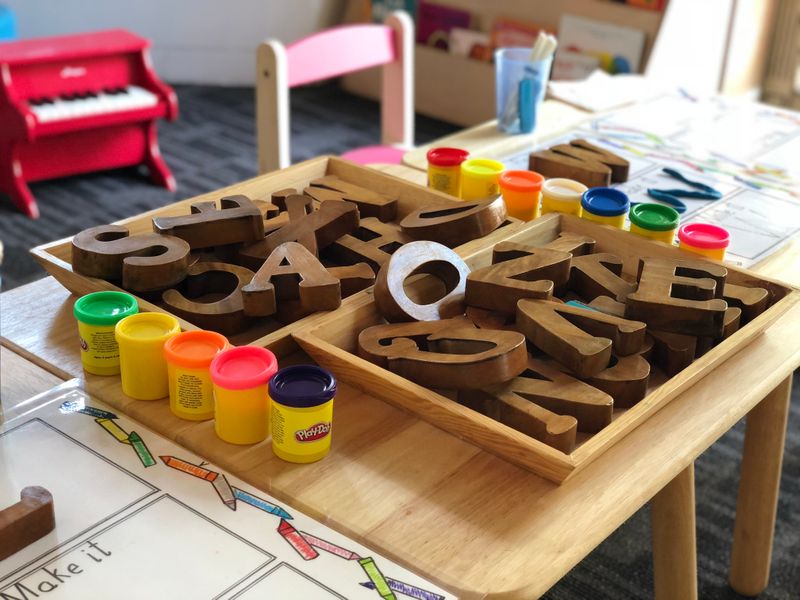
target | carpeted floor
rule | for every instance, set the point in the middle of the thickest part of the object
(212, 145)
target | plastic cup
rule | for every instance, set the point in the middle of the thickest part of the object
(444, 169)
(606, 206)
(513, 66)
(654, 221)
(522, 191)
(705, 239)
(189, 355)
(97, 315)
(241, 401)
(302, 413)
(141, 339)
(479, 178)
(563, 196)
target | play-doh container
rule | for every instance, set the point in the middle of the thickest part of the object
(705, 239)
(141, 340)
(189, 355)
(241, 400)
(302, 412)
(522, 191)
(654, 221)
(562, 195)
(605, 205)
(444, 169)
(97, 315)
(479, 178)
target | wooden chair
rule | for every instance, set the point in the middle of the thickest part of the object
(332, 53)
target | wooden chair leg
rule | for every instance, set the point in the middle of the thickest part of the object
(674, 541)
(759, 484)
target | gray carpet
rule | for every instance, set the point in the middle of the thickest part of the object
(212, 145)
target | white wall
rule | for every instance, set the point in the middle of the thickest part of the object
(194, 41)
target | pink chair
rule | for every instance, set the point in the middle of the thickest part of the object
(332, 53)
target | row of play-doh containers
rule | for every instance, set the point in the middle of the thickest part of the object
(205, 377)
(452, 171)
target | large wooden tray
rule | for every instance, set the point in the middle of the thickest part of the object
(55, 256)
(332, 343)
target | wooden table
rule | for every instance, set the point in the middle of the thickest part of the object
(462, 517)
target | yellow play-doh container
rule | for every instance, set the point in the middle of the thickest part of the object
(241, 401)
(141, 339)
(654, 221)
(479, 178)
(444, 169)
(302, 412)
(563, 196)
(97, 315)
(606, 206)
(522, 191)
(189, 355)
(704, 239)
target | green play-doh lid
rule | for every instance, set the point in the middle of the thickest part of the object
(654, 217)
(104, 308)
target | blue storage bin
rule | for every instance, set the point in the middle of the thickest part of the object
(8, 25)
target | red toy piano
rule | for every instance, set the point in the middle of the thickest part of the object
(79, 103)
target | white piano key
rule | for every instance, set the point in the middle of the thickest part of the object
(62, 109)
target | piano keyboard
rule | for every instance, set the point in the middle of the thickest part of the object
(73, 106)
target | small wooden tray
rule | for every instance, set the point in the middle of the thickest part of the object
(332, 342)
(55, 257)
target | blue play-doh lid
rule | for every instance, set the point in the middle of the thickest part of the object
(605, 202)
(302, 386)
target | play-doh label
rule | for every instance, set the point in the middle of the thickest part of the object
(313, 433)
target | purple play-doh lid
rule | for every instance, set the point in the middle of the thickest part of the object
(302, 386)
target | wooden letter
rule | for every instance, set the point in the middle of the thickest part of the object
(23, 523)
(568, 334)
(144, 263)
(455, 224)
(752, 301)
(353, 278)
(596, 275)
(205, 283)
(447, 354)
(392, 299)
(730, 325)
(575, 244)
(291, 273)
(238, 220)
(373, 243)
(499, 287)
(369, 202)
(681, 296)
(625, 379)
(581, 161)
(331, 221)
(673, 352)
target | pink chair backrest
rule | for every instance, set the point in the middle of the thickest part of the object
(338, 51)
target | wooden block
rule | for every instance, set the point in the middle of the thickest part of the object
(752, 301)
(581, 161)
(370, 203)
(373, 243)
(680, 296)
(415, 258)
(298, 207)
(331, 221)
(211, 297)
(353, 278)
(30, 519)
(237, 220)
(275, 222)
(625, 379)
(596, 275)
(499, 287)
(577, 245)
(450, 354)
(291, 273)
(279, 197)
(571, 335)
(730, 324)
(609, 306)
(504, 405)
(489, 319)
(453, 225)
(143, 263)
(672, 352)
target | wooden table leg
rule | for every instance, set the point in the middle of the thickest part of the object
(758, 491)
(674, 541)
